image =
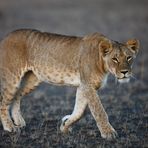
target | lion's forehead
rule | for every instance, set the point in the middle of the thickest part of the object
(121, 51)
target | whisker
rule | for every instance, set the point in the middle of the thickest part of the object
(116, 81)
(133, 77)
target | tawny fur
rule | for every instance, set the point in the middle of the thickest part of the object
(28, 57)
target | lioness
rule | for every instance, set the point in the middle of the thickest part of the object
(28, 57)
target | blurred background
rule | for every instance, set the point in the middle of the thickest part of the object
(44, 108)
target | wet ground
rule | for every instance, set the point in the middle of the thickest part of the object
(44, 108)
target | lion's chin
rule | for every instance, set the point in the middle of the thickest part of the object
(124, 80)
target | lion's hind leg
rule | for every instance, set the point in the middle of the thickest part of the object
(9, 86)
(28, 83)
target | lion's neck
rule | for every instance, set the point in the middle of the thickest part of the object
(102, 67)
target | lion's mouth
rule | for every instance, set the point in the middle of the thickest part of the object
(124, 80)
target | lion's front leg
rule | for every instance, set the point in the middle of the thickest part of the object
(99, 114)
(80, 105)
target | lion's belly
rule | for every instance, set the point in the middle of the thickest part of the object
(59, 77)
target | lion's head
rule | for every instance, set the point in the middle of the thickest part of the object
(119, 57)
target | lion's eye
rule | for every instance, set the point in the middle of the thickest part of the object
(129, 58)
(115, 60)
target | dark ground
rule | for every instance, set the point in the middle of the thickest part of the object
(43, 109)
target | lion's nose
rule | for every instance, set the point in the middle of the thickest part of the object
(124, 72)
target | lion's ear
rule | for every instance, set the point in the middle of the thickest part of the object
(133, 44)
(105, 47)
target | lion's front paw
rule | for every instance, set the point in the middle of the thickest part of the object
(108, 132)
(64, 128)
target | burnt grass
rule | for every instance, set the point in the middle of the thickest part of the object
(43, 109)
